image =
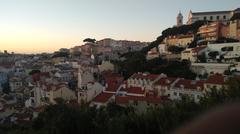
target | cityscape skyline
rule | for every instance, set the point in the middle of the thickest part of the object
(119, 66)
(45, 26)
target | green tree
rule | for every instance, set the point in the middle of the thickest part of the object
(90, 40)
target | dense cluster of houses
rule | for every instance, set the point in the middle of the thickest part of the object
(143, 90)
(108, 48)
(39, 81)
(29, 83)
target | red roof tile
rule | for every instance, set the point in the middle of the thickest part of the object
(113, 80)
(190, 84)
(103, 97)
(121, 99)
(216, 79)
(135, 90)
(112, 86)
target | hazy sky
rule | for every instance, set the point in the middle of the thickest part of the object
(31, 26)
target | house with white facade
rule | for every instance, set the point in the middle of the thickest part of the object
(162, 49)
(143, 80)
(184, 87)
(226, 51)
(89, 92)
(192, 54)
(113, 83)
(47, 93)
(223, 16)
(163, 86)
(216, 81)
(208, 68)
(15, 83)
(105, 66)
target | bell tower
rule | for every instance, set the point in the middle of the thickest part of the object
(179, 19)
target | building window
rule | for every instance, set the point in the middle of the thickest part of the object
(211, 18)
(205, 18)
(227, 49)
(224, 17)
(217, 17)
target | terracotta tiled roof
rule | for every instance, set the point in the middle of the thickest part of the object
(113, 80)
(121, 99)
(103, 97)
(135, 90)
(216, 79)
(190, 84)
(112, 86)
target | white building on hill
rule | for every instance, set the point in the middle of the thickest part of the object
(223, 16)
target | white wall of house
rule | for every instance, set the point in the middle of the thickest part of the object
(106, 65)
(162, 49)
(188, 55)
(202, 68)
(193, 17)
(235, 53)
(176, 93)
(209, 86)
(64, 93)
(90, 92)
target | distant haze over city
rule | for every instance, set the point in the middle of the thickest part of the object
(29, 26)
